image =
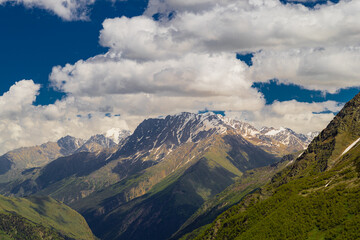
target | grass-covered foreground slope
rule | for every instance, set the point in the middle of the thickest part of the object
(317, 197)
(40, 218)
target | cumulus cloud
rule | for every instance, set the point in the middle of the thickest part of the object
(150, 88)
(187, 63)
(20, 96)
(161, 6)
(191, 75)
(20, 119)
(260, 24)
(299, 116)
(66, 9)
(140, 38)
(317, 68)
(315, 48)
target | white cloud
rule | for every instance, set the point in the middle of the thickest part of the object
(151, 88)
(191, 75)
(161, 6)
(21, 95)
(289, 36)
(140, 38)
(322, 69)
(188, 64)
(303, 1)
(299, 116)
(259, 24)
(66, 9)
(23, 124)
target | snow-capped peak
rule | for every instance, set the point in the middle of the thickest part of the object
(274, 132)
(245, 128)
(312, 135)
(117, 134)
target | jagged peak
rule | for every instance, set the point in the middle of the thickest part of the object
(65, 141)
(117, 134)
(66, 138)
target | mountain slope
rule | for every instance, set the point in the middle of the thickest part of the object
(14, 162)
(327, 148)
(247, 183)
(158, 162)
(40, 218)
(177, 195)
(97, 143)
(314, 198)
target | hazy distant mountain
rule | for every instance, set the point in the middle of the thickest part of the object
(69, 144)
(13, 162)
(16, 161)
(278, 141)
(96, 143)
(288, 137)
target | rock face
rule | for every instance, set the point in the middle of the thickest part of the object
(96, 143)
(171, 132)
(69, 145)
(279, 141)
(288, 137)
(117, 135)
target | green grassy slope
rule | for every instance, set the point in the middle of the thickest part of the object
(250, 181)
(13, 226)
(314, 198)
(328, 146)
(325, 206)
(43, 216)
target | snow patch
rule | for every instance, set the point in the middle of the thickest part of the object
(275, 131)
(351, 146)
(117, 134)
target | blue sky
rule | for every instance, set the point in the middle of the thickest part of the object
(293, 65)
(37, 40)
(34, 40)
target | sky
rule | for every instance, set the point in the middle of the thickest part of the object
(81, 67)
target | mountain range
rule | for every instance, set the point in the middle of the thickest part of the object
(200, 176)
(278, 141)
(169, 166)
(13, 163)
